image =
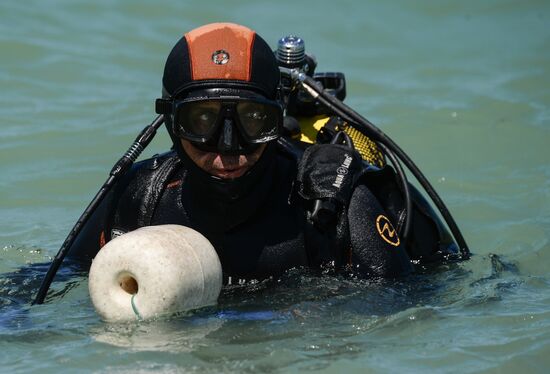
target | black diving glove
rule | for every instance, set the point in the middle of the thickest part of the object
(326, 178)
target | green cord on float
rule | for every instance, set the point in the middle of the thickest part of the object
(135, 309)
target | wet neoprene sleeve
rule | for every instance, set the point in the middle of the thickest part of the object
(376, 250)
(90, 240)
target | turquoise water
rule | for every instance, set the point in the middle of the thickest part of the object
(463, 87)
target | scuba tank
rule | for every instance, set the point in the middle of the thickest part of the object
(308, 120)
(315, 113)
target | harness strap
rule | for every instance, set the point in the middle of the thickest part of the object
(158, 180)
(137, 198)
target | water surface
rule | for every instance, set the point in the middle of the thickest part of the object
(463, 87)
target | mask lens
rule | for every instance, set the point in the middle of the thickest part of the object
(196, 120)
(199, 120)
(259, 121)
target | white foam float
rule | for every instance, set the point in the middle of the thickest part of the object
(154, 271)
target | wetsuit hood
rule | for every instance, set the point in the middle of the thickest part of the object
(221, 55)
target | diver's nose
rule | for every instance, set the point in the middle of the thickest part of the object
(228, 141)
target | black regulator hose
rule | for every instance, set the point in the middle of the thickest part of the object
(403, 231)
(118, 170)
(367, 128)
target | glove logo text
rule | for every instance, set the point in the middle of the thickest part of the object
(342, 171)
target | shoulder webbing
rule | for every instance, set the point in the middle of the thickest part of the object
(136, 199)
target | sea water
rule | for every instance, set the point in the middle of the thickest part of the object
(463, 87)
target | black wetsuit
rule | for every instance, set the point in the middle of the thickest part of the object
(266, 230)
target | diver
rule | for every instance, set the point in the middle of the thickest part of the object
(266, 201)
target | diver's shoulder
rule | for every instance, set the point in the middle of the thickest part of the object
(144, 173)
(156, 161)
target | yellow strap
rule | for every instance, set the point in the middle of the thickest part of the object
(368, 149)
(310, 126)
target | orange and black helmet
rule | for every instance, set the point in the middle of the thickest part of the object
(221, 55)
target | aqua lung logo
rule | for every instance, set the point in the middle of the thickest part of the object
(342, 171)
(220, 57)
(386, 230)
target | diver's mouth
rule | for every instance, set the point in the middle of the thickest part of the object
(230, 172)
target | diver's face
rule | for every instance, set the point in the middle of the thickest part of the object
(222, 165)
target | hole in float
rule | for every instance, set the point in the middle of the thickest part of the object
(128, 283)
